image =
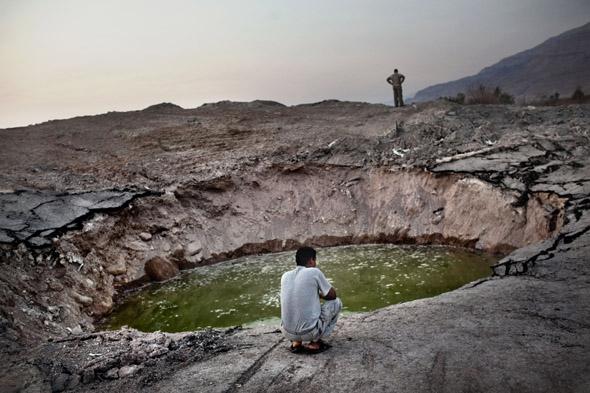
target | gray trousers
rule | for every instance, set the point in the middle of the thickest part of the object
(326, 324)
(398, 97)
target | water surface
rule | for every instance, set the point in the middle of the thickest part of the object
(246, 290)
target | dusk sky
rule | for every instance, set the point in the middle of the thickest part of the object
(62, 58)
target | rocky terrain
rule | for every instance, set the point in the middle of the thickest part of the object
(94, 206)
(560, 64)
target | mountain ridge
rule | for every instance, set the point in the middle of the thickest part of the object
(559, 64)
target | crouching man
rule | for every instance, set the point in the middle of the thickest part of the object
(303, 317)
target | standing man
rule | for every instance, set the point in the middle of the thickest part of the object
(396, 81)
(303, 317)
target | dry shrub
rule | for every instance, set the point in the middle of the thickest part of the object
(486, 96)
(578, 97)
(578, 94)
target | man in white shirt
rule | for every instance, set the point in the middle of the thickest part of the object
(396, 79)
(303, 317)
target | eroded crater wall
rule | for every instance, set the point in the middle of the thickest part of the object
(279, 208)
(269, 210)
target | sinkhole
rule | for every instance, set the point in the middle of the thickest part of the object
(245, 291)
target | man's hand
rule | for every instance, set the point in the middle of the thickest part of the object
(331, 295)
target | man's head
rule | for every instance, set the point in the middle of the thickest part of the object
(305, 256)
(394, 71)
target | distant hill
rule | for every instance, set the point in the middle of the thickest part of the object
(559, 64)
(164, 107)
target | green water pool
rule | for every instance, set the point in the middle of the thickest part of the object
(246, 290)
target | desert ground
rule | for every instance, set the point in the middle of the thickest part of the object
(86, 202)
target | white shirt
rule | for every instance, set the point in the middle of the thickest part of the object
(300, 298)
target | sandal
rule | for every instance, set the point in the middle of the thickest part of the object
(297, 349)
(322, 347)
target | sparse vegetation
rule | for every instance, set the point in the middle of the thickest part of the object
(555, 99)
(578, 94)
(484, 95)
(458, 99)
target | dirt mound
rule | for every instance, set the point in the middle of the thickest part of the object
(241, 105)
(164, 107)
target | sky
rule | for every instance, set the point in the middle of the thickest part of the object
(64, 58)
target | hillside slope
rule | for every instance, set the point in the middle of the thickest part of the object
(560, 64)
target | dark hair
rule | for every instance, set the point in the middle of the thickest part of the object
(394, 70)
(303, 255)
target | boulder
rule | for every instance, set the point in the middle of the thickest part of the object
(137, 246)
(127, 371)
(82, 299)
(193, 248)
(160, 269)
(55, 285)
(178, 252)
(118, 267)
(60, 382)
(88, 283)
(145, 236)
(102, 307)
(113, 373)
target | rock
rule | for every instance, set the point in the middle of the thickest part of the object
(55, 285)
(82, 299)
(44, 212)
(127, 371)
(437, 219)
(88, 376)
(193, 248)
(178, 252)
(5, 238)
(137, 246)
(145, 236)
(103, 307)
(113, 373)
(158, 351)
(514, 184)
(39, 241)
(160, 269)
(192, 262)
(499, 270)
(60, 382)
(88, 283)
(76, 259)
(189, 263)
(74, 381)
(53, 309)
(118, 268)
(21, 249)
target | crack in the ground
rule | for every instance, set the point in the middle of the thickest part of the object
(43, 203)
(250, 371)
(556, 319)
(521, 267)
(524, 172)
(91, 211)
